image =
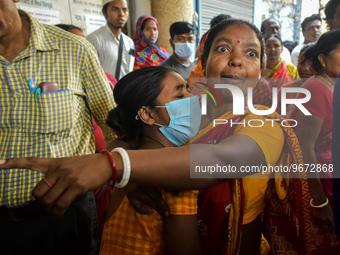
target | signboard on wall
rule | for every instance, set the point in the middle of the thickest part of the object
(49, 17)
(86, 14)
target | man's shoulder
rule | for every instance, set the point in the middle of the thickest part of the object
(298, 48)
(128, 39)
(99, 33)
(169, 62)
(61, 36)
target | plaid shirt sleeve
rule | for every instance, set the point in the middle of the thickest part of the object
(99, 94)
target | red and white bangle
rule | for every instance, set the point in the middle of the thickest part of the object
(126, 167)
(113, 164)
(318, 206)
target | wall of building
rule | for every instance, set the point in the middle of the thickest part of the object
(168, 12)
(86, 14)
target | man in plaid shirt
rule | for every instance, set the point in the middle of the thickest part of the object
(46, 124)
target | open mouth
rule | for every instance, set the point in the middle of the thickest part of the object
(231, 79)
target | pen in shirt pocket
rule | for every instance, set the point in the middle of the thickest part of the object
(31, 85)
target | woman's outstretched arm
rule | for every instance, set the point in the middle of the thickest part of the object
(169, 168)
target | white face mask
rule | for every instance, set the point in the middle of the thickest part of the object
(184, 50)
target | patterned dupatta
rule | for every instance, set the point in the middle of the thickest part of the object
(287, 211)
(147, 53)
(279, 75)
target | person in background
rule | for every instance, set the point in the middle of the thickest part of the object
(306, 73)
(116, 51)
(277, 71)
(183, 44)
(34, 59)
(272, 26)
(335, 156)
(136, 119)
(315, 137)
(332, 12)
(290, 45)
(146, 39)
(311, 30)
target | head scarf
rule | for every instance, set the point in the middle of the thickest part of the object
(147, 53)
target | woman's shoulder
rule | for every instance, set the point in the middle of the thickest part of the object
(183, 205)
(315, 85)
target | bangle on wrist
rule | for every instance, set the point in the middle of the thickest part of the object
(113, 164)
(318, 206)
(126, 167)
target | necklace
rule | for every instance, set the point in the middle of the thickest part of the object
(327, 81)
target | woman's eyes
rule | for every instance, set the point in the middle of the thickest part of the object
(222, 49)
(252, 54)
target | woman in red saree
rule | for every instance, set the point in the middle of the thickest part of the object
(231, 210)
(146, 39)
(315, 136)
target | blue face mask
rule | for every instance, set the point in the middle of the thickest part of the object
(184, 50)
(185, 120)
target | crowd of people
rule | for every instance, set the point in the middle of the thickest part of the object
(102, 135)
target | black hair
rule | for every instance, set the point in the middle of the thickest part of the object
(181, 27)
(136, 89)
(307, 51)
(217, 19)
(271, 36)
(67, 27)
(327, 42)
(309, 19)
(331, 8)
(144, 23)
(263, 24)
(223, 25)
(105, 6)
(289, 45)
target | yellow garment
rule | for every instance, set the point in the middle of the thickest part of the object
(49, 125)
(281, 191)
(292, 70)
(270, 138)
(255, 188)
(128, 232)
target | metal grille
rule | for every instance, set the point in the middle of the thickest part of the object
(241, 9)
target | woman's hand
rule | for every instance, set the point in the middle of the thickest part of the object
(323, 218)
(143, 198)
(70, 178)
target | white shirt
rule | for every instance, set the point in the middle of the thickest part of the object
(296, 53)
(285, 55)
(107, 46)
